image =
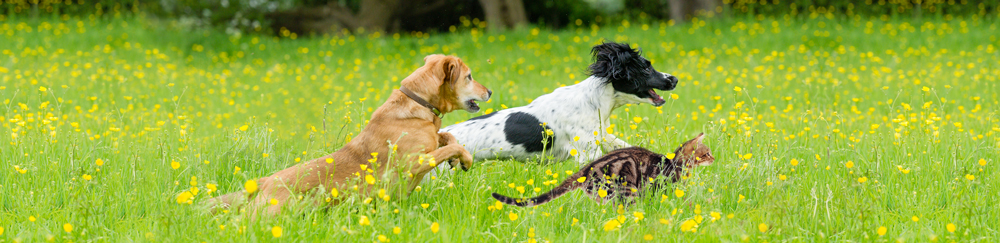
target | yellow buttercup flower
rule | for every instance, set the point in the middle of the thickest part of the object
(688, 225)
(184, 197)
(612, 224)
(638, 216)
(276, 231)
(250, 186)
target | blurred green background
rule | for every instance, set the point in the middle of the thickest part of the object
(320, 17)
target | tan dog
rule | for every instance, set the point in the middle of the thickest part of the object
(410, 124)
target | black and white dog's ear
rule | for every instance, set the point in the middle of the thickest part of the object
(607, 61)
(613, 61)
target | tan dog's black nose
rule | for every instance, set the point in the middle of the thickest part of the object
(489, 93)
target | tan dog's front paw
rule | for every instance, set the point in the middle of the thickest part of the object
(466, 159)
(457, 163)
(462, 160)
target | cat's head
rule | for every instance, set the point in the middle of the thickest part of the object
(693, 153)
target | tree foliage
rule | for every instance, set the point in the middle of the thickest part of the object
(305, 16)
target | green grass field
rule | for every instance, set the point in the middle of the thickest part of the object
(824, 128)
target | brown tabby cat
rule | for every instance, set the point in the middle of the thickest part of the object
(623, 173)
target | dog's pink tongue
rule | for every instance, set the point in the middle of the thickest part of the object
(656, 97)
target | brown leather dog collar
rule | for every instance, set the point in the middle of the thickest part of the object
(419, 100)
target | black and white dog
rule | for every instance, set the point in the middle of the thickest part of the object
(619, 76)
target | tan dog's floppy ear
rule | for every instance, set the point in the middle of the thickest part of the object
(452, 69)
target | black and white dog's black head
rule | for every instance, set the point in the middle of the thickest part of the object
(632, 75)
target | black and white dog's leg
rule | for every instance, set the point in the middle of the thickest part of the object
(612, 142)
(588, 149)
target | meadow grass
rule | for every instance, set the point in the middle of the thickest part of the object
(825, 129)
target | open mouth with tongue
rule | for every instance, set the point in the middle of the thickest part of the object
(657, 100)
(471, 106)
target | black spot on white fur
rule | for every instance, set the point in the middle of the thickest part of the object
(483, 117)
(526, 130)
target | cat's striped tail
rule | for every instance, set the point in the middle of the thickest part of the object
(569, 184)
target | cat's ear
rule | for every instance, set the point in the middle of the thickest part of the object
(698, 139)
